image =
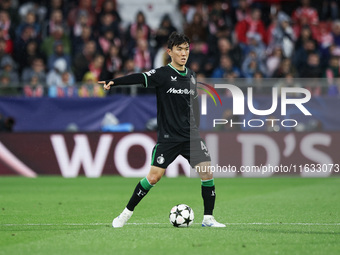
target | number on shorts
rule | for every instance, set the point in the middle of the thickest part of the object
(203, 147)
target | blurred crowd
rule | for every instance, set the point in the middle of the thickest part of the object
(61, 48)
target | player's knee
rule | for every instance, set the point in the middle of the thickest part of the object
(206, 176)
(204, 170)
(154, 178)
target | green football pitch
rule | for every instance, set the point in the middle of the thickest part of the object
(53, 215)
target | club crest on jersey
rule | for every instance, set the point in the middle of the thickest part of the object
(173, 78)
(160, 159)
(192, 78)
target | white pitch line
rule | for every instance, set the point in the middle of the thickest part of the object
(157, 223)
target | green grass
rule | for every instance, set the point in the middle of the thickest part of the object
(52, 215)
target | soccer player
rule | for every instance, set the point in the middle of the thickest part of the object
(178, 121)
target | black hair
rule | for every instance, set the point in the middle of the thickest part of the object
(176, 39)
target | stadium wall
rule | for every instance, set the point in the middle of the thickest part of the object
(129, 154)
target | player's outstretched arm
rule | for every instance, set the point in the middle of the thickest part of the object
(132, 79)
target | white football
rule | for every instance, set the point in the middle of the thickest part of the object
(181, 216)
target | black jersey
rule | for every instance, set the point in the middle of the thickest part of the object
(176, 94)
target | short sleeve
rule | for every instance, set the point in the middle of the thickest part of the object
(153, 78)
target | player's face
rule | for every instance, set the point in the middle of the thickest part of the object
(179, 55)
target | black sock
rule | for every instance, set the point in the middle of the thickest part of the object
(208, 195)
(136, 197)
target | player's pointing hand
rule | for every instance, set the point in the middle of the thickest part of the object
(106, 86)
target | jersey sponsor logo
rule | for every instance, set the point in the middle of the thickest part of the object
(173, 78)
(151, 72)
(181, 91)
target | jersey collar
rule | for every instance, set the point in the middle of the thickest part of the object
(183, 74)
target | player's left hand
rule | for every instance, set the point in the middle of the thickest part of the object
(106, 86)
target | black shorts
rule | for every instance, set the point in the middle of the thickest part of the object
(163, 154)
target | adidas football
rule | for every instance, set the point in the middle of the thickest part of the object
(181, 216)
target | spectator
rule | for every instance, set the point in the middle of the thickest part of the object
(66, 88)
(9, 45)
(34, 7)
(34, 88)
(325, 38)
(54, 5)
(79, 42)
(21, 42)
(90, 88)
(251, 65)
(142, 56)
(305, 35)
(305, 15)
(30, 20)
(330, 10)
(164, 30)
(82, 21)
(137, 30)
(332, 73)
(197, 29)
(82, 59)
(225, 47)
(54, 76)
(332, 70)
(129, 67)
(58, 54)
(242, 11)
(68, 83)
(218, 18)
(109, 7)
(84, 6)
(198, 57)
(30, 53)
(3, 52)
(336, 33)
(285, 68)
(56, 20)
(8, 69)
(312, 68)
(107, 22)
(200, 8)
(37, 69)
(252, 25)
(98, 69)
(226, 68)
(114, 62)
(301, 55)
(162, 57)
(107, 39)
(283, 35)
(256, 45)
(5, 86)
(6, 5)
(6, 26)
(274, 60)
(58, 35)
